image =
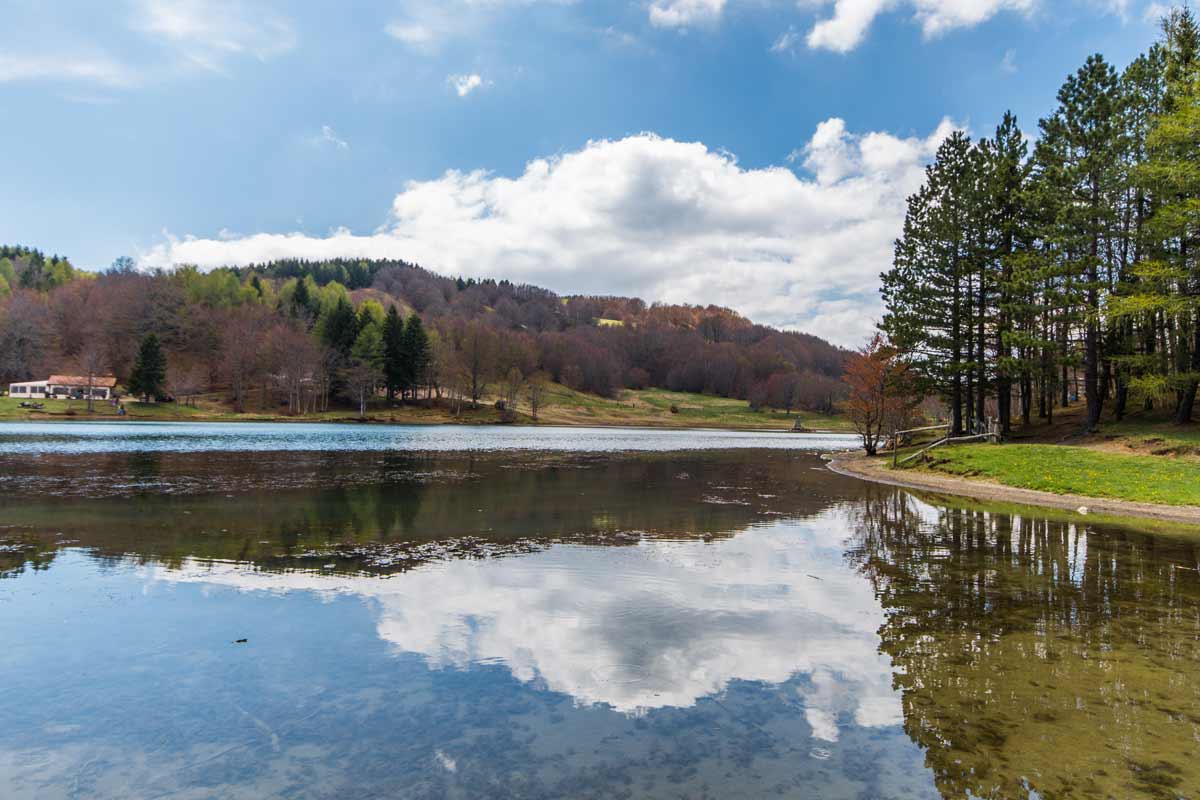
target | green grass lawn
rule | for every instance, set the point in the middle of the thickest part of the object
(653, 407)
(77, 409)
(1155, 437)
(1076, 470)
(565, 407)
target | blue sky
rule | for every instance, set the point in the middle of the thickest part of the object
(751, 153)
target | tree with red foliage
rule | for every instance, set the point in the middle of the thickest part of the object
(881, 394)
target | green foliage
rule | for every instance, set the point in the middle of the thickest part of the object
(1016, 270)
(371, 312)
(416, 351)
(149, 372)
(368, 346)
(338, 327)
(220, 288)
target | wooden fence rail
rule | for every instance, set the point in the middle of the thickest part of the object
(992, 434)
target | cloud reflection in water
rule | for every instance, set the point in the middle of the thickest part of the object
(654, 625)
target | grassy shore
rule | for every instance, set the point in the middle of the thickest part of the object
(1076, 470)
(1140, 459)
(647, 407)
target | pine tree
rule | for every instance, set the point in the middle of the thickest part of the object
(393, 352)
(416, 353)
(1168, 283)
(929, 292)
(1007, 172)
(1090, 105)
(339, 328)
(149, 370)
(364, 369)
(302, 303)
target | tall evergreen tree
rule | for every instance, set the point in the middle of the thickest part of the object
(416, 352)
(339, 327)
(1090, 107)
(1168, 283)
(929, 291)
(149, 369)
(395, 368)
(1007, 167)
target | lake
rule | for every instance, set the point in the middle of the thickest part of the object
(330, 611)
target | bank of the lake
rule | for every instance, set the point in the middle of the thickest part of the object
(655, 408)
(1001, 475)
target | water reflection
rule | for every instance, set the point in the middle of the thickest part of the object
(716, 624)
(388, 512)
(1035, 653)
(658, 624)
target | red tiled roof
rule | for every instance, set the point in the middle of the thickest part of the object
(81, 380)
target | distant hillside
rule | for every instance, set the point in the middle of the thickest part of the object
(236, 329)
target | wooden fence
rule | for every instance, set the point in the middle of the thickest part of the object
(983, 429)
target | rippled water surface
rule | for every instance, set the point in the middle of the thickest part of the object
(105, 437)
(326, 622)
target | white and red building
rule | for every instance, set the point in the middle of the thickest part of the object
(63, 387)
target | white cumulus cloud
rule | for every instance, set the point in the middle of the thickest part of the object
(653, 217)
(465, 84)
(851, 19)
(684, 13)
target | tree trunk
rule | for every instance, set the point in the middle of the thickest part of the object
(1091, 334)
(1187, 400)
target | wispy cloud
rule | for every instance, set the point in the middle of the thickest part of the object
(1155, 12)
(1008, 63)
(328, 137)
(465, 84)
(207, 33)
(45, 66)
(427, 25)
(786, 42)
(414, 34)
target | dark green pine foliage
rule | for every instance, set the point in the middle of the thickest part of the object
(1007, 170)
(1090, 111)
(339, 328)
(149, 370)
(417, 354)
(928, 292)
(301, 305)
(394, 366)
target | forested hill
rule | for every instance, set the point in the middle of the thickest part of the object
(233, 328)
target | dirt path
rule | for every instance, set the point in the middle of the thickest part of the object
(858, 466)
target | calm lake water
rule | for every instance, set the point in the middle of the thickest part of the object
(617, 618)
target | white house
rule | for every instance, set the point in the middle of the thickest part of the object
(63, 387)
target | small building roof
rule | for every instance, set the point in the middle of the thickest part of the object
(81, 380)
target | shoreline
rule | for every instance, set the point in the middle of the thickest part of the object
(417, 421)
(110, 418)
(870, 469)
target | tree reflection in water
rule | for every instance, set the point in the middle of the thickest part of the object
(1038, 654)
